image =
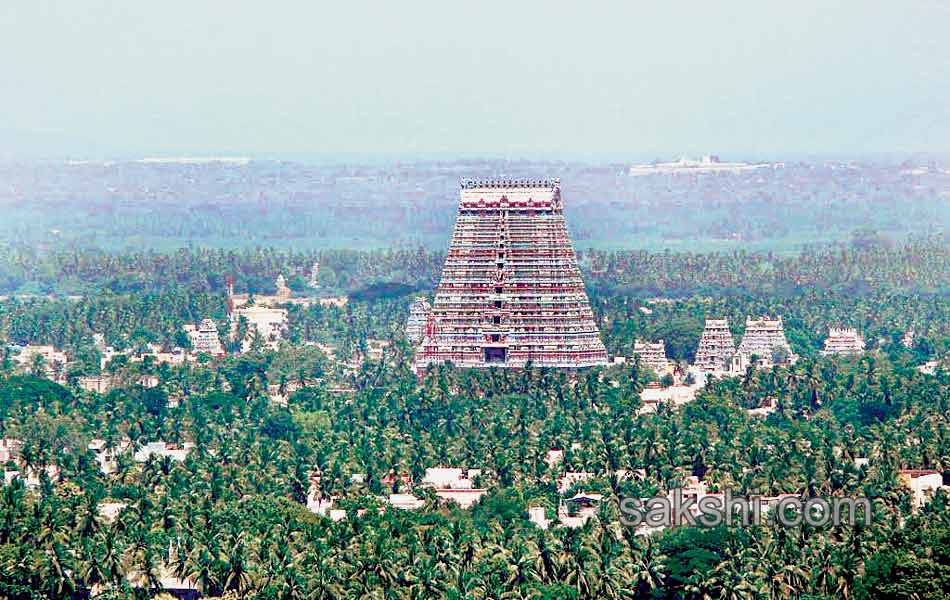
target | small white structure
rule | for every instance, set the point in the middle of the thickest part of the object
(923, 484)
(577, 510)
(929, 367)
(538, 516)
(33, 476)
(450, 478)
(654, 394)
(108, 457)
(10, 450)
(319, 506)
(405, 501)
(768, 406)
(337, 514)
(99, 384)
(162, 449)
(454, 484)
(108, 511)
(554, 457)
(54, 361)
(338, 301)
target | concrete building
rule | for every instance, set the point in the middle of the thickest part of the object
(269, 323)
(10, 450)
(175, 452)
(923, 484)
(538, 516)
(577, 510)
(99, 384)
(54, 361)
(404, 501)
(655, 394)
(766, 407)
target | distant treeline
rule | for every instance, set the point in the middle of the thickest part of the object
(920, 264)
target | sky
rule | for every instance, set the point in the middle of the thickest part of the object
(626, 80)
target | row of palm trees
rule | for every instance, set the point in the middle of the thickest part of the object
(230, 517)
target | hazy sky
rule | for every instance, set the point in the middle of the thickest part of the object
(520, 79)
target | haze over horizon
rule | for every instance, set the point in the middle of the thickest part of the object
(105, 80)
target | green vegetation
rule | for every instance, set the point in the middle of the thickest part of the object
(232, 516)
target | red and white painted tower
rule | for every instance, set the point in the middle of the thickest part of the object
(511, 291)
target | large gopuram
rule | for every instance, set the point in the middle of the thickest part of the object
(511, 291)
(765, 338)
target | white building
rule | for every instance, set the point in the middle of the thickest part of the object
(54, 361)
(10, 450)
(577, 510)
(405, 502)
(454, 484)
(709, 163)
(766, 407)
(538, 516)
(175, 452)
(923, 484)
(269, 323)
(99, 384)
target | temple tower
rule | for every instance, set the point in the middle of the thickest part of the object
(765, 338)
(418, 315)
(652, 355)
(843, 341)
(511, 291)
(716, 346)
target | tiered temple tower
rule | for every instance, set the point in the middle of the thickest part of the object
(511, 291)
(652, 355)
(716, 346)
(204, 338)
(418, 315)
(764, 337)
(843, 341)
